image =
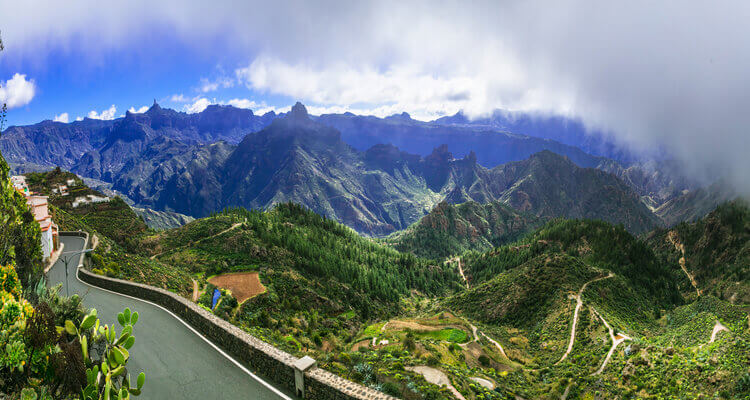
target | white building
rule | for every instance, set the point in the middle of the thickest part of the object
(19, 183)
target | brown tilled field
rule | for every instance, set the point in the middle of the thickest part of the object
(243, 285)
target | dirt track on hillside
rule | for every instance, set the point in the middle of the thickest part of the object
(579, 303)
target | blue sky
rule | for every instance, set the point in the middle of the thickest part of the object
(167, 69)
(678, 80)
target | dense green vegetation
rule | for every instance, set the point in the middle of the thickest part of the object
(519, 296)
(298, 245)
(453, 229)
(38, 360)
(113, 218)
(596, 243)
(19, 233)
(111, 259)
(523, 295)
(371, 314)
(717, 251)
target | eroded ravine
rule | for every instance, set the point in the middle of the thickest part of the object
(460, 269)
(672, 237)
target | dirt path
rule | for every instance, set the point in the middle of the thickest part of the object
(436, 377)
(566, 392)
(718, 327)
(382, 329)
(496, 345)
(460, 269)
(195, 290)
(672, 237)
(616, 340)
(579, 303)
(234, 226)
(484, 382)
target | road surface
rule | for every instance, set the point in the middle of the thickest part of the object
(179, 363)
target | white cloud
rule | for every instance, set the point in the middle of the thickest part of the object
(138, 111)
(616, 65)
(105, 114)
(342, 87)
(245, 103)
(207, 85)
(79, 118)
(17, 91)
(179, 98)
(62, 118)
(198, 105)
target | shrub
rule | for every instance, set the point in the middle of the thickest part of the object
(484, 360)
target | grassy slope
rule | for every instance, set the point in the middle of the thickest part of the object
(327, 285)
(523, 306)
(300, 253)
(595, 243)
(454, 229)
(114, 219)
(717, 251)
(112, 259)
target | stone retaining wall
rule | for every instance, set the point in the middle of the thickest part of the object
(277, 365)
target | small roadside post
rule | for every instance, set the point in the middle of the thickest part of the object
(66, 258)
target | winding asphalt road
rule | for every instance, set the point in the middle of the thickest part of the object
(179, 363)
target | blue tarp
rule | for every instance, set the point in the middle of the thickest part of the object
(217, 294)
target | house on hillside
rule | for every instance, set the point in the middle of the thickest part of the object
(40, 209)
(19, 183)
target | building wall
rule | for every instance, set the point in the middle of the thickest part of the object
(47, 244)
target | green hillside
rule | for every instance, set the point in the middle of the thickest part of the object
(378, 316)
(112, 218)
(453, 229)
(716, 252)
(596, 243)
(112, 259)
(306, 252)
(523, 296)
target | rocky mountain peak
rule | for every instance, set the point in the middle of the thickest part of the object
(298, 113)
(155, 108)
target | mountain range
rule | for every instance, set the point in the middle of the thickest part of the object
(376, 175)
(375, 192)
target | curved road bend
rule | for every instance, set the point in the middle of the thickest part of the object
(178, 362)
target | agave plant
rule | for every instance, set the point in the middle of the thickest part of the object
(106, 358)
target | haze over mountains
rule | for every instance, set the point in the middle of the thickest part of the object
(376, 175)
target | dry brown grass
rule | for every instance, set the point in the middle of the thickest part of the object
(243, 285)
